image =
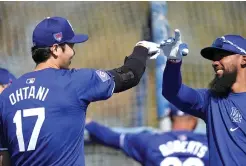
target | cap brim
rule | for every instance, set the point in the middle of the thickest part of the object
(209, 52)
(78, 38)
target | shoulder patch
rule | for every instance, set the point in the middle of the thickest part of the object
(103, 75)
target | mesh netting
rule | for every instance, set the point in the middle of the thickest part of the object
(114, 28)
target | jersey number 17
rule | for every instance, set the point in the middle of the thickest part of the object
(40, 113)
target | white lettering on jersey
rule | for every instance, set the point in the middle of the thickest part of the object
(177, 146)
(31, 92)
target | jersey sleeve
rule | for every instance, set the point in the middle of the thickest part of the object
(187, 99)
(93, 85)
(135, 145)
(103, 135)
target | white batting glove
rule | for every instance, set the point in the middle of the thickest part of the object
(153, 48)
(173, 48)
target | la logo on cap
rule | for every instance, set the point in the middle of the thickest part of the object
(58, 36)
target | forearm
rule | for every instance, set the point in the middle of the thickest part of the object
(172, 80)
(182, 96)
(129, 75)
(103, 135)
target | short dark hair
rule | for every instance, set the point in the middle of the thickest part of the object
(42, 54)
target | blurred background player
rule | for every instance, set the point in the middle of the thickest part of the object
(6, 79)
(43, 112)
(177, 147)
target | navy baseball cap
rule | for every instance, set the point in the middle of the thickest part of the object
(6, 77)
(231, 44)
(55, 30)
(174, 111)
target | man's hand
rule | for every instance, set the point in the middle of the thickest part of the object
(153, 48)
(173, 48)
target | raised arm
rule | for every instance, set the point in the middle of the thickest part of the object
(102, 84)
(129, 75)
(192, 101)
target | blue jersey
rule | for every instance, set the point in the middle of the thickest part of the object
(167, 149)
(43, 112)
(225, 117)
(175, 148)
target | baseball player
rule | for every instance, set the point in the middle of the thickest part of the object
(42, 113)
(222, 105)
(181, 146)
(6, 79)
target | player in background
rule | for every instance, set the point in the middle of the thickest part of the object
(222, 105)
(181, 146)
(6, 79)
(42, 113)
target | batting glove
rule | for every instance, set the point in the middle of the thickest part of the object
(153, 48)
(173, 48)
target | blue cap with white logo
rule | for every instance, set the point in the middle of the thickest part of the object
(55, 30)
(6, 77)
(233, 44)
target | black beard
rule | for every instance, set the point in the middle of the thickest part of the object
(221, 87)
